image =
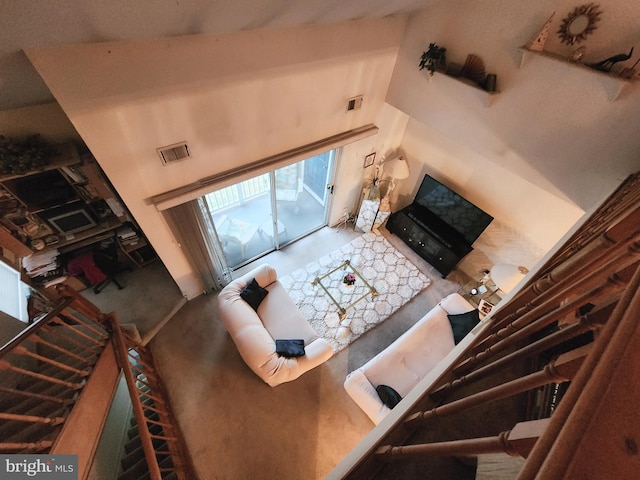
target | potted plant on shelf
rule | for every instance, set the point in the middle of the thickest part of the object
(434, 58)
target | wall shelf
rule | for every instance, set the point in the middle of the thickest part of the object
(65, 155)
(613, 85)
(487, 97)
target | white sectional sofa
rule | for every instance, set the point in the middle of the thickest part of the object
(277, 317)
(408, 359)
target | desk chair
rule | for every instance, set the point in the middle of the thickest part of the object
(99, 267)
(110, 266)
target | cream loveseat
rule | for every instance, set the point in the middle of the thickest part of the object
(409, 358)
(277, 317)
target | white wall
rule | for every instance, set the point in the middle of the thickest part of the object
(551, 145)
(552, 124)
(528, 220)
(235, 99)
(512, 200)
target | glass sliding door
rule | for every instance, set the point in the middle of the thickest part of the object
(302, 192)
(241, 213)
(264, 213)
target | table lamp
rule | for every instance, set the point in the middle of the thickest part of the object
(506, 276)
(397, 169)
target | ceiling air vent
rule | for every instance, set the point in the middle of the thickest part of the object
(173, 153)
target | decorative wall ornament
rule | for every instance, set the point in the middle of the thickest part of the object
(537, 41)
(473, 68)
(579, 23)
(606, 64)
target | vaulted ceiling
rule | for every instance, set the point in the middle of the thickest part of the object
(43, 23)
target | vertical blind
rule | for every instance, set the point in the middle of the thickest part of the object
(196, 236)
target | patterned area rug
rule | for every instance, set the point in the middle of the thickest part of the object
(393, 276)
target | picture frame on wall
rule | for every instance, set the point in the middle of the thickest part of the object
(369, 159)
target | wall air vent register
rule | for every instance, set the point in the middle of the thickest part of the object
(173, 153)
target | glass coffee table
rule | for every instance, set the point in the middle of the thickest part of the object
(342, 295)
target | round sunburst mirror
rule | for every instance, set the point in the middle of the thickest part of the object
(579, 23)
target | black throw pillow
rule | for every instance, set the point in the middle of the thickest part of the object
(290, 348)
(463, 323)
(253, 294)
(388, 395)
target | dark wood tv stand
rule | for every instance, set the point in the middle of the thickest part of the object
(430, 237)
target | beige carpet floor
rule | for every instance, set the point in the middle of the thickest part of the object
(235, 425)
(148, 296)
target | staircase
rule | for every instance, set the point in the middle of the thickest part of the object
(42, 374)
(156, 448)
(57, 380)
(134, 464)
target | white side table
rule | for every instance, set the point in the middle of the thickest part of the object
(381, 217)
(367, 215)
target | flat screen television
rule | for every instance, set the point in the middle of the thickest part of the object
(69, 219)
(42, 190)
(457, 212)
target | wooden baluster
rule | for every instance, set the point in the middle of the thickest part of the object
(158, 400)
(590, 284)
(571, 277)
(145, 376)
(37, 339)
(75, 318)
(91, 350)
(163, 437)
(21, 447)
(518, 441)
(20, 350)
(586, 323)
(39, 396)
(60, 321)
(625, 199)
(156, 422)
(533, 321)
(4, 365)
(559, 371)
(31, 419)
(139, 360)
(554, 452)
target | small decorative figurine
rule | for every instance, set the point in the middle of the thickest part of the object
(606, 64)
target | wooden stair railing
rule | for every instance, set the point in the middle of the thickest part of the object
(595, 430)
(43, 370)
(580, 314)
(164, 447)
(57, 380)
(518, 441)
